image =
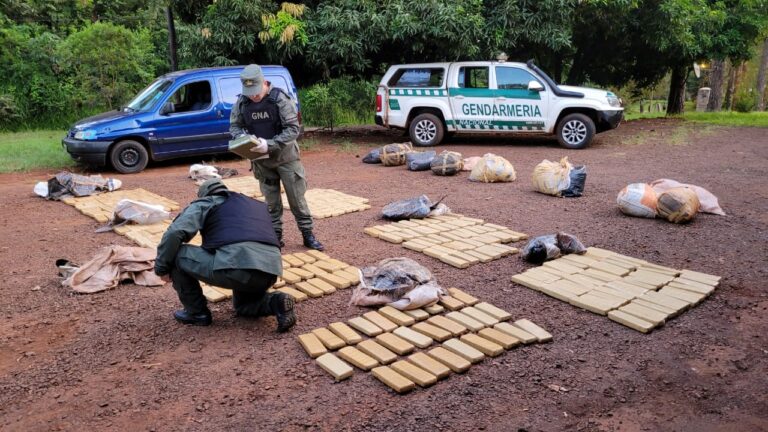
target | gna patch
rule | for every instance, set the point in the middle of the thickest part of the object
(260, 115)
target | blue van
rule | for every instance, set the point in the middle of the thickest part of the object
(184, 113)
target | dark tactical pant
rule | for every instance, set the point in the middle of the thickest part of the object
(294, 181)
(249, 286)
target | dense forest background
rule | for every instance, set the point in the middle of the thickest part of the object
(62, 59)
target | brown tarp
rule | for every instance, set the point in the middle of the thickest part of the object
(112, 265)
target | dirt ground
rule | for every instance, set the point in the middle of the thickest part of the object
(118, 361)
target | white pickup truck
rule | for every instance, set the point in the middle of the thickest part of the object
(431, 100)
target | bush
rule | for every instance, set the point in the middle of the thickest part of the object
(340, 101)
(744, 102)
(9, 111)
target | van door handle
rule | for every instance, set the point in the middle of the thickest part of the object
(219, 113)
(459, 97)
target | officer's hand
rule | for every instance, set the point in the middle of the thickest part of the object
(261, 147)
(166, 278)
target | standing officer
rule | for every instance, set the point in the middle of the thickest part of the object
(239, 251)
(269, 114)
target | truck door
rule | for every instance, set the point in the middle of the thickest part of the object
(518, 108)
(471, 98)
(192, 123)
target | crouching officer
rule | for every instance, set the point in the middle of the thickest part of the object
(239, 251)
(269, 114)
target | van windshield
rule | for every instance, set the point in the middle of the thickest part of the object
(147, 98)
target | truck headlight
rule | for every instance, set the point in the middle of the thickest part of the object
(613, 100)
(85, 134)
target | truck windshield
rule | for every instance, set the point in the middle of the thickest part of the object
(147, 98)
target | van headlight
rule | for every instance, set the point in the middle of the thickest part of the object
(613, 100)
(85, 134)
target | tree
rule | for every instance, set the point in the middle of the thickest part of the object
(284, 32)
(716, 81)
(761, 73)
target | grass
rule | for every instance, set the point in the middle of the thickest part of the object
(30, 150)
(729, 118)
(308, 144)
(347, 146)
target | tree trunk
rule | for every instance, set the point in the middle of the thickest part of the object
(716, 77)
(733, 71)
(676, 99)
(761, 77)
(174, 62)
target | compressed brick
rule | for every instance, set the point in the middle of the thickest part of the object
(619, 262)
(687, 296)
(351, 278)
(481, 256)
(345, 332)
(593, 303)
(432, 331)
(660, 269)
(479, 315)
(465, 320)
(485, 346)
(462, 296)
(462, 349)
(498, 313)
(666, 301)
(541, 334)
(700, 277)
(396, 316)
(380, 321)
(377, 351)
(297, 295)
(357, 358)
(580, 259)
(312, 345)
(655, 306)
(516, 332)
(329, 265)
(417, 245)
(454, 261)
(628, 288)
(390, 237)
(322, 285)
(330, 340)
(649, 277)
(335, 366)
(419, 339)
(612, 294)
(293, 261)
(290, 277)
(434, 309)
(644, 313)
(366, 327)
(540, 275)
(527, 281)
(562, 267)
(570, 287)
(689, 285)
(455, 362)
(430, 365)
(609, 268)
(393, 380)
(451, 303)
(317, 254)
(630, 321)
(334, 280)
(600, 275)
(308, 259)
(599, 253)
(417, 314)
(491, 250)
(309, 289)
(315, 270)
(395, 343)
(499, 337)
(414, 373)
(448, 324)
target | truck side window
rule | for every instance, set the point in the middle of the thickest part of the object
(510, 78)
(473, 77)
(194, 96)
(417, 77)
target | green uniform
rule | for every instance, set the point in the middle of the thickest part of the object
(283, 164)
(248, 268)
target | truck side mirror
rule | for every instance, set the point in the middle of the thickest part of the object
(535, 86)
(167, 108)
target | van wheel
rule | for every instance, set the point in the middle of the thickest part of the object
(426, 130)
(575, 131)
(129, 157)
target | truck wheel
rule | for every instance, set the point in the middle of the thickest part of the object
(575, 131)
(128, 157)
(426, 130)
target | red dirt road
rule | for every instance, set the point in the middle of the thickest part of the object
(117, 360)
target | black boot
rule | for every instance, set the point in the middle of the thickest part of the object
(311, 242)
(280, 239)
(282, 306)
(204, 318)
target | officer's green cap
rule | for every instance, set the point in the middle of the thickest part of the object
(252, 79)
(211, 187)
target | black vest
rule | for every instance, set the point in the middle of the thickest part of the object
(238, 219)
(262, 118)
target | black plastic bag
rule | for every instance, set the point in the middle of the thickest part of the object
(578, 176)
(411, 208)
(419, 161)
(447, 163)
(373, 156)
(549, 247)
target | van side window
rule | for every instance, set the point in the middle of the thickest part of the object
(417, 77)
(230, 89)
(194, 96)
(509, 78)
(473, 77)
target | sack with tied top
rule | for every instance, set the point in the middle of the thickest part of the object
(559, 178)
(678, 205)
(447, 163)
(638, 199)
(394, 154)
(491, 169)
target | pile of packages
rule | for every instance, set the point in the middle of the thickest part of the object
(668, 199)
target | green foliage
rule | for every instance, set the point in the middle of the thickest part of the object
(9, 111)
(730, 118)
(108, 63)
(338, 102)
(284, 31)
(744, 101)
(25, 151)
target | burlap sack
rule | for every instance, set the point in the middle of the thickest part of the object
(447, 163)
(492, 169)
(552, 178)
(637, 199)
(678, 205)
(394, 154)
